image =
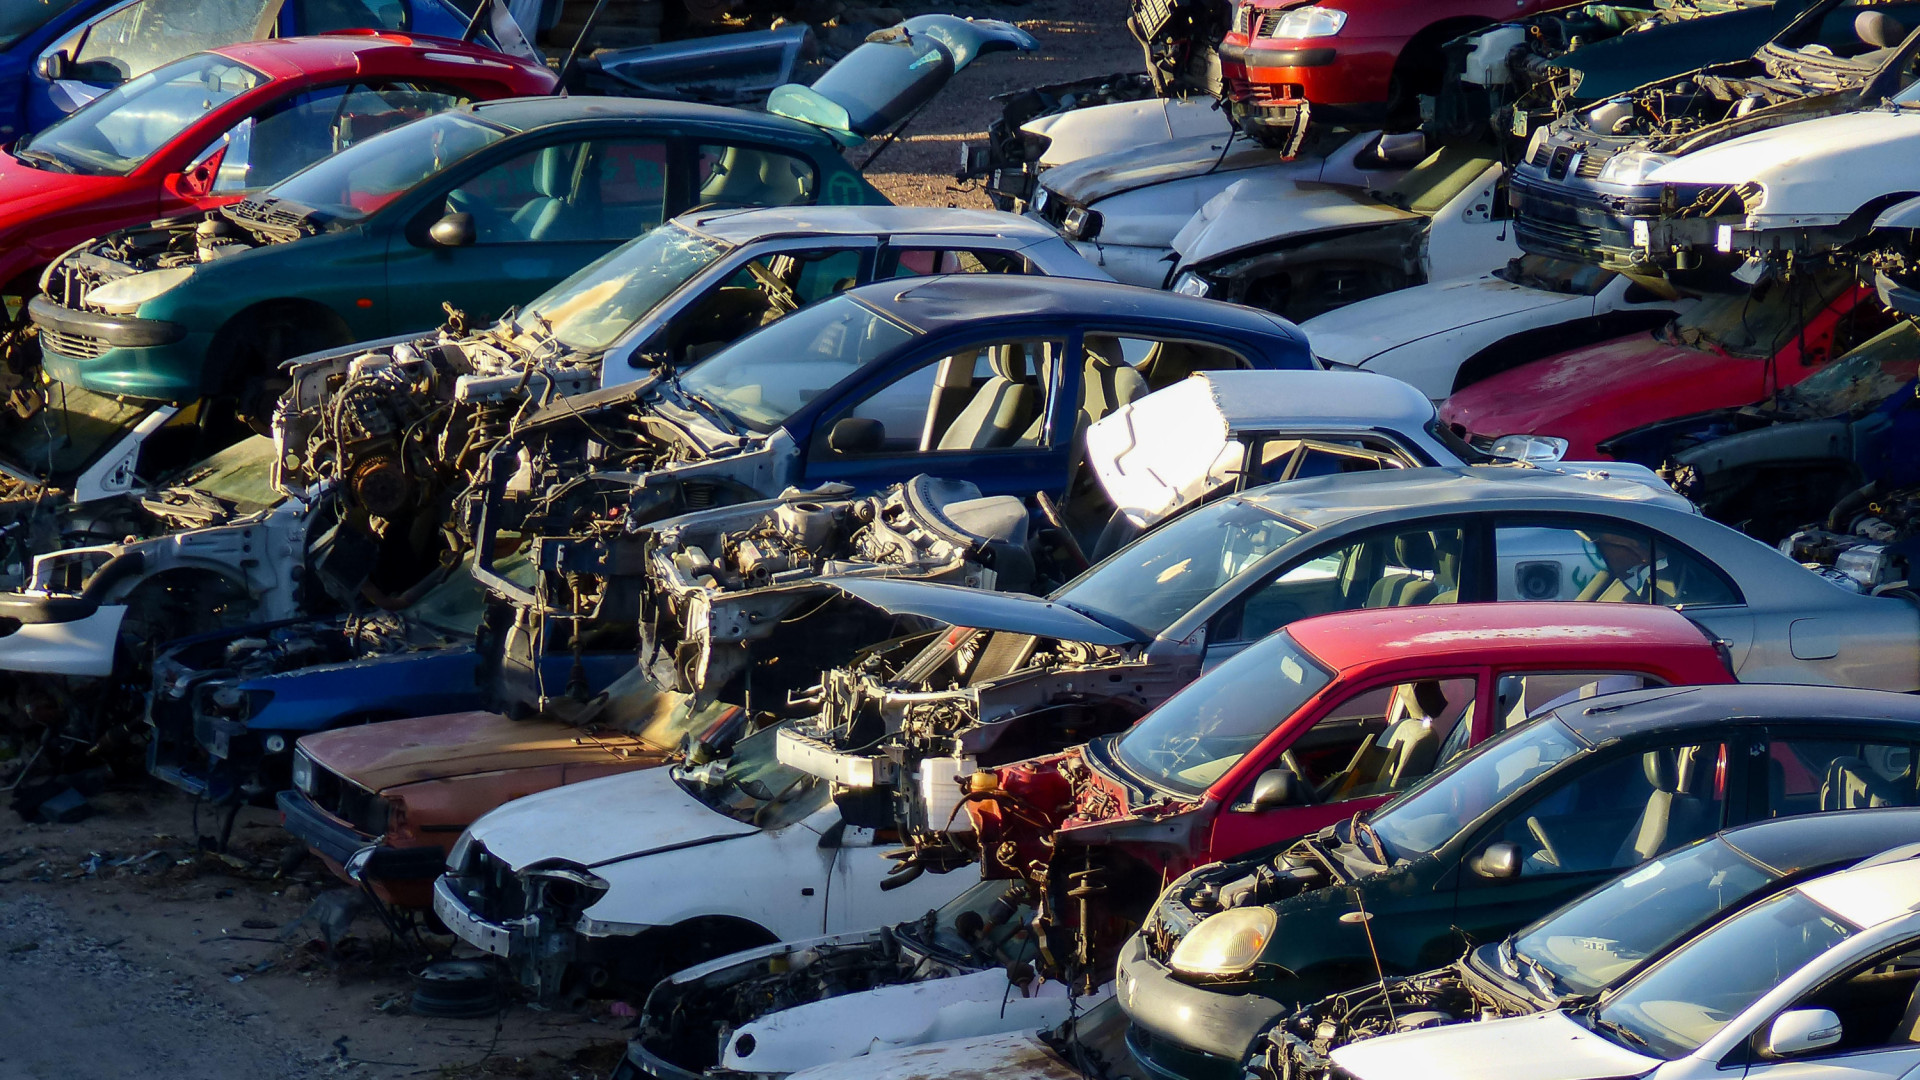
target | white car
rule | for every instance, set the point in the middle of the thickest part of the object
(627, 878)
(1448, 334)
(1821, 982)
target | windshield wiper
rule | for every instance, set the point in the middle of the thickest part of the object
(48, 160)
(1621, 1033)
(1539, 977)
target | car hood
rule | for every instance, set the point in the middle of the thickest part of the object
(1164, 451)
(978, 610)
(1020, 1054)
(1103, 176)
(596, 822)
(1263, 210)
(1590, 394)
(894, 72)
(1359, 332)
(1802, 158)
(386, 755)
(1618, 64)
(26, 192)
(1544, 1046)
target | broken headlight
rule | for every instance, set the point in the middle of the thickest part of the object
(1631, 166)
(1227, 944)
(302, 772)
(1190, 283)
(1081, 223)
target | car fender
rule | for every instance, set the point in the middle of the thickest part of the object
(773, 878)
(1815, 172)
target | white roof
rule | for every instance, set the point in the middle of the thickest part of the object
(1869, 895)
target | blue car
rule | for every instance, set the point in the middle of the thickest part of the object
(56, 55)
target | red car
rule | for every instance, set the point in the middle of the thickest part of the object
(202, 130)
(1349, 61)
(1726, 351)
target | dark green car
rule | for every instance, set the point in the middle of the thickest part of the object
(1510, 831)
(482, 207)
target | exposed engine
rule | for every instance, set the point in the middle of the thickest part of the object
(1867, 543)
(1298, 1047)
(164, 245)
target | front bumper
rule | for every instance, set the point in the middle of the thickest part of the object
(1580, 224)
(76, 646)
(469, 927)
(643, 1064)
(336, 841)
(131, 357)
(1180, 1031)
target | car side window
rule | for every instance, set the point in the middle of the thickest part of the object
(1601, 560)
(752, 176)
(1292, 458)
(1877, 1002)
(266, 148)
(988, 397)
(595, 190)
(916, 262)
(1381, 740)
(324, 16)
(137, 39)
(762, 291)
(1622, 812)
(1388, 568)
(1118, 369)
(1808, 775)
(1518, 698)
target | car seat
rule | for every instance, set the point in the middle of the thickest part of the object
(751, 178)
(1673, 813)
(1405, 751)
(1415, 551)
(1851, 784)
(547, 215)
(1002, 407)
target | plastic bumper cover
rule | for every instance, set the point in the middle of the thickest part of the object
(1187, 1031)
(76, 646)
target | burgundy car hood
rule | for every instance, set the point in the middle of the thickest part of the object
(1591, 394)
(27, 192)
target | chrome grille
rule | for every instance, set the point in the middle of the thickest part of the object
(1564, 234)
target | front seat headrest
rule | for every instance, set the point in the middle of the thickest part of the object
(1878, 29)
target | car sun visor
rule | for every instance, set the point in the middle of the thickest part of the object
(894, 72)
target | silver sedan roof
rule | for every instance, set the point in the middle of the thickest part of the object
(1329, 500)
(746, 226)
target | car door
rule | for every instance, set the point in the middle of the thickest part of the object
(1395, 566)
(754, 291)
(531, 213)
(1812, 768)
(988, 411)
(1877, 1001)
(855, 900)
(140, 35)
(1357, 750)
(1588, 824)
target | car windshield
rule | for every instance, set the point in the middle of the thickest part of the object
(770, 374)
(590, 310)
(242, 474)
(1590, 944)
(1150, 583)
(1760, 322)
(1868, 375)
(18, 18)
(989, 920)
(751, 785)
(1202, 731)
(1687, 998)
(116, 132)
(1435, 810)
(74, 427)
(364, 177)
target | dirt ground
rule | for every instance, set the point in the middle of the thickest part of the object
(125, 951)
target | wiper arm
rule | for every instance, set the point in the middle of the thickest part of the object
(1623, 1033)
(54, 163)
(1539, 977)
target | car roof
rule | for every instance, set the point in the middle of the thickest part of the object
(1802, 841)
(349, 52)
(1869, 895)
(1545, 632)
(1637, 712)
(528, 113)
(1249, 400)
(1329, 500)
(737, 226)
(947, 301)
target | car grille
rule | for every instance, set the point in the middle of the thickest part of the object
(493, 890)
(346, 800)
(77, 346)
(1541, 156)
(1591, 163)
(1566, 235)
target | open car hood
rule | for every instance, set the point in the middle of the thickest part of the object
(957, 606)
(1544, 1046)
(1270, 208)
(894, 72)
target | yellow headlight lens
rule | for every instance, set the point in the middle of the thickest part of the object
(1226, 944)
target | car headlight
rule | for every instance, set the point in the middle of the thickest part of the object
(1190, 283)
(1226, 944)
(1534, 449)
(1631, 166)
(302, 772)
(1534, 144)
(1081, 223)
(1309, 22)
(125, 295)
(1040, 198)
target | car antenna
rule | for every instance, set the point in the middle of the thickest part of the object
(579, 42)
(1365, 919)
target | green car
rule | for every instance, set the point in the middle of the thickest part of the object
(480, 208)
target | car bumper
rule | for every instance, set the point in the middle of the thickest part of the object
(488, 937)
(1580, 224)
(642, 1064)
(142, 358)
(80, 646)
(1180, 1031)
(1347, 79)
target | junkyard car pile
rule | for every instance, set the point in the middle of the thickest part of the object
(1396, 560)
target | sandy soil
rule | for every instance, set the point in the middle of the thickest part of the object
(125, 951)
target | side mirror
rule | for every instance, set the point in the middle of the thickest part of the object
(1500, 861)
(857, 435)
(1800, 1030)
(1274, 788)
(55, 66)
(453, 231)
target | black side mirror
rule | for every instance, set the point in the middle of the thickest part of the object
(857, 435)
(453, 231)
(55, 66)
(1498, 862)
(1276, 787)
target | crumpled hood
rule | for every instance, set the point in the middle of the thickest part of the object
(382, 756)
(1357, 333)
(1544, 1046)
(1823, 166)
(601, 821)
(1589, 394)
(1103, 176)
(1261, 210)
